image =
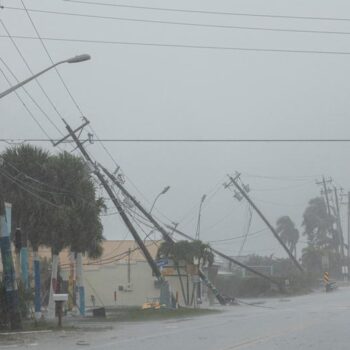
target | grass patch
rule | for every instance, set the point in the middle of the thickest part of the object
(41, 325)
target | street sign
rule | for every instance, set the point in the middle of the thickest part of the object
(326, 278)
(162, 262)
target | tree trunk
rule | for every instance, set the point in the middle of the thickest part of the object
(80, 284)
(37, 285)
(71, 282)
(53, 287)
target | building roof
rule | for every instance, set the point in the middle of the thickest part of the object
(113, 252)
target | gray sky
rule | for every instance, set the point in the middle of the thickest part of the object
(155, 92)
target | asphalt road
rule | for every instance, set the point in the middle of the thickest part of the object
(316, 321)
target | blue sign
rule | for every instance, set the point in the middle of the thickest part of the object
(162, 262)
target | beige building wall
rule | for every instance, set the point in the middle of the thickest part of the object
(104, 281)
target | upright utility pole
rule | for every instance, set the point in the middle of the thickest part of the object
(114, 199)
(164, 233)
(325, 191)
(339, 226)
(272, 229)
(348, 228)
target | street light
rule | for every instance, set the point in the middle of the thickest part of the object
(76, 59)
(199, 217)
(165, 190)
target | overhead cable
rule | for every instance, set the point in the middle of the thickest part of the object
(184, 46)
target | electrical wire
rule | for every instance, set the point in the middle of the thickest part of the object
(25, 106)
(225, 13)
(36, 80)
(54, 190)
(188, 24)
(171, 140)
(183, 46)
(16, 182)
(51, 60)
(250, 216)
(237, 237)
(28, 94)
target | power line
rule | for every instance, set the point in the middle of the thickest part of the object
(250, 216)
(304, 140)
(27, 109)
(238, 237)
(49, 56)
(31, 72)
(29, 95)
(243, 14)
(24, 188)
(183, 46)
(188, 24)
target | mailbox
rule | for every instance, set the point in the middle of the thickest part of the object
(60, 297)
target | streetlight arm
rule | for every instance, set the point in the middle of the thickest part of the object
(154, 202)
(76, 59)
(15, 87)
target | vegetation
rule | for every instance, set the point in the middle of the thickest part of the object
(288, 233)
(193, 253)
(53, 199)
(323, 240)
(54, 202)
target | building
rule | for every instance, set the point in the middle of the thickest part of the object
(121, 276)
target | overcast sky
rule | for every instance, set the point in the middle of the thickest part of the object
(132, 91)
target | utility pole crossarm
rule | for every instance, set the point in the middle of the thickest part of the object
(272, 229)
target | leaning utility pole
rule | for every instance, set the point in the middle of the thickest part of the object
(114, 199)
(164, 233)
(272, 229)
(326, 191)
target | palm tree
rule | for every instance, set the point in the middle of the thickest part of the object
(189, 252)
(288, 233)
(54, 201)
(80, 227)
(318, 224)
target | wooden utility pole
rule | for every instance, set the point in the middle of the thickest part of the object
(114, 199)
(348, 228)
(339, 226)
(325, 189)
(272, 229)
(164, 233)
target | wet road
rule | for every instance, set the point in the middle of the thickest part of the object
(316, 321)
